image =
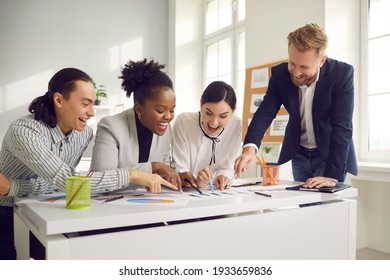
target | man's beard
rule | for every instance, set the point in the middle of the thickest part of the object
(306, 81)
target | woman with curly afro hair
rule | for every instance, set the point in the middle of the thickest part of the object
(140, 137)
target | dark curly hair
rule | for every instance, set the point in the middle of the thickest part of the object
(64, 82)
(144, 78)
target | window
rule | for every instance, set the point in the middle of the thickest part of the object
(224, 45)
(375, 81)
(219, 14)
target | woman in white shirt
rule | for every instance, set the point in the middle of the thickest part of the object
(206, 143)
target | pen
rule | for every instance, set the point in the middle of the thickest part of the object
(90, 173)
(263, 194)
(234, 177)
(113, 198)
(192, 186)
(231, 180)
(211, 184)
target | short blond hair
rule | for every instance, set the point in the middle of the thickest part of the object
(310, 36)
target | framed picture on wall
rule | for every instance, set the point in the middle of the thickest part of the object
(259, 77)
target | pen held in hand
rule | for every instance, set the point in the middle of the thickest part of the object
(234, 177)
(192, 186)
(211, 184)
(231, 180)
(197, 189)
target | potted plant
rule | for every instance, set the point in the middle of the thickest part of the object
(267, 149)
(100, 93)
(267, 153)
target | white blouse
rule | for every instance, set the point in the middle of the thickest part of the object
(192, 150)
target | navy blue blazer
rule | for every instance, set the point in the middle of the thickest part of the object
(333, 105)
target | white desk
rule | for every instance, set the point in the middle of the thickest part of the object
(255, 227)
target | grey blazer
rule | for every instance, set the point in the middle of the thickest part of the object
(116, 144)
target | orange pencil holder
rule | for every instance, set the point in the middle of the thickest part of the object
(270, 175)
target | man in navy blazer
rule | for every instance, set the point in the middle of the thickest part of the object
(318, 94)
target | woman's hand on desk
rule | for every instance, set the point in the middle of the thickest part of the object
(203, 178)
(5, 185)
(152, 182)
(167, 173)
(221, 182)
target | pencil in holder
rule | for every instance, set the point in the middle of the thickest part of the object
(78, 192)
(270, 175)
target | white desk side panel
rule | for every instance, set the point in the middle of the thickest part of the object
(285, 234)
(352, 228)
(56, 246)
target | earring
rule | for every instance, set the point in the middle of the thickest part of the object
(139, 116)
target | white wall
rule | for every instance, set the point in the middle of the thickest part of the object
(268, 23)
(185, 56)
(40, 37)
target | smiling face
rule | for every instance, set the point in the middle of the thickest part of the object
(304, 65)
(74, 112)
(215, 116)
(155, 114)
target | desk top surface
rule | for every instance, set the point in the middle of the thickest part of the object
(50, 218)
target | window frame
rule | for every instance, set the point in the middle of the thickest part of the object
(213, 40)
(232, 32)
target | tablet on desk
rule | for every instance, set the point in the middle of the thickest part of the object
(334, 189)
(240, 182)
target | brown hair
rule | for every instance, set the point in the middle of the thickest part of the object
(310, 36)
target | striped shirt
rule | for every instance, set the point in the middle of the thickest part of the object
(36, 158)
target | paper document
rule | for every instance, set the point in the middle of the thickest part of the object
(53, 198)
